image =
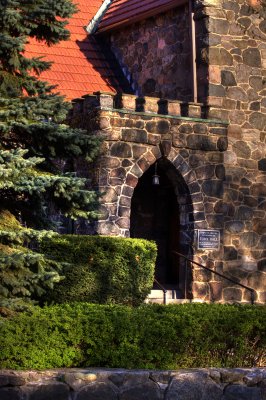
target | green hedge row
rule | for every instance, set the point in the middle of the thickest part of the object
(151, 336)
(101, 269)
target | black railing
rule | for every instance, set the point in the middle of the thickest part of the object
(163, 289)
(252, 291)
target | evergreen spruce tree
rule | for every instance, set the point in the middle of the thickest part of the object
(33, 138)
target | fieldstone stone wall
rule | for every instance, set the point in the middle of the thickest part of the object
(231, 39)
(233, 47)
(139, 131)
(100, 384)
(223, 165)
(155, 55)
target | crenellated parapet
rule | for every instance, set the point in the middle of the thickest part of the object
(150, 121)
(146, 104)
(151, 105)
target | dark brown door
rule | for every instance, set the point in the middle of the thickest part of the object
(155, 216)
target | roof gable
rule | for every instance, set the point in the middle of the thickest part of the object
(125, 12)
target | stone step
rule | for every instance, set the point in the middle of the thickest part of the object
(168, 301)
(170, 293)
(172, 296)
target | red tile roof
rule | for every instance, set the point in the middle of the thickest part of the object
(125, 12)
(81, 65)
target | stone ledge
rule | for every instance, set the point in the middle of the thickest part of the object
(167, 116)
(109, 384)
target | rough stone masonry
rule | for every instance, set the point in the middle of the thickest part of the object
(113, 384)
(217, 146)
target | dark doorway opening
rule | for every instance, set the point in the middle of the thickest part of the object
(161, 213)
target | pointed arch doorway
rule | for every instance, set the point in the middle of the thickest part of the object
(162, 213)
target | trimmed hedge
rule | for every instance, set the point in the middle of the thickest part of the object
(151, 336)
(101, 269)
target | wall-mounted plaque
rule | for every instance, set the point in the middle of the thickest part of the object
(208, 239)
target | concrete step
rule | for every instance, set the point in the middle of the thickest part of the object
(172, 296)
(171, 301)
(170, 293)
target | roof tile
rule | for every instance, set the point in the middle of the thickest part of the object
(81, 65)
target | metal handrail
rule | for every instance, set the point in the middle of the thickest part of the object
(252, 291)
(163, 289)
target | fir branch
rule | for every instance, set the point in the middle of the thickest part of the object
(33, 136)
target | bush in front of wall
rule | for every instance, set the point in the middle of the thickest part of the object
(101, 269)
(149, 336)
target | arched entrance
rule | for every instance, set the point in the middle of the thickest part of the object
(163, 213)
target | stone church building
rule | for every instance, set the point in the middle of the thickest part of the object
(177, 90)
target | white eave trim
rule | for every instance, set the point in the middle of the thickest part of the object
(93, 25)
